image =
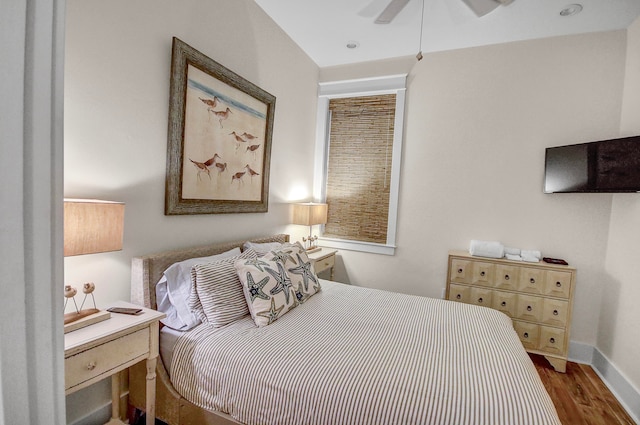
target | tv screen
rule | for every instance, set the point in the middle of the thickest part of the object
(605, 166)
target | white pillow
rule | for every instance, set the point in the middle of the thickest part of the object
(173, 290)
(261, 248)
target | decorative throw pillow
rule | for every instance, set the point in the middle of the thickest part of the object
(300, 269)
(217, 296)
(267, 289)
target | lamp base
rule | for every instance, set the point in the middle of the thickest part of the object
(74, 321)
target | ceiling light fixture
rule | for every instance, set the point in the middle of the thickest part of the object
(419, 55)
(352, 44)
(570, 10)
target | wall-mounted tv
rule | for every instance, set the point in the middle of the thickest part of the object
(604, 166)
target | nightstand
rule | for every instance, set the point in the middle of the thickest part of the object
(107, 348)
(325, 259)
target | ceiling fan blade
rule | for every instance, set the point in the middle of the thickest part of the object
(373, 8)
(391, 11)
(482, 7)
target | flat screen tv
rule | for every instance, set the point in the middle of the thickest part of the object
(606, 166)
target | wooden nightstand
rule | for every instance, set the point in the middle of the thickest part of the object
(325, 259)
(107, 348)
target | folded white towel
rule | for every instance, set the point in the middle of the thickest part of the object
(530, 259)
(511, 251)
(490, 249)
(530, 253)
(513, 257)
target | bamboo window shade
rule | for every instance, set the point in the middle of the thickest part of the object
(359, 167)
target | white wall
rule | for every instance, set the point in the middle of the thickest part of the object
(477, 123)
(118, 57)
(618, 329)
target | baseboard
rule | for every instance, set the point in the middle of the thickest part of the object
(98, 416)
(622, 389)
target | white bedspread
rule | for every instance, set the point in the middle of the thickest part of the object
(351, 355)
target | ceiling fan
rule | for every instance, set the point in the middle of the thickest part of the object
(479, 7)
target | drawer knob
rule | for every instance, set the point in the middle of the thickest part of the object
(526, 335)
(482, 274)
(459, 270)
(529, 308)
(91, 365)
(507, 277)
(532, 280)
(503, 303)
(558, 284)
(458, 297)
(555, 312)
(480, 300)
(552, 340)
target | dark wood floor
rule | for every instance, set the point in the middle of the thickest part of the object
(580, 395)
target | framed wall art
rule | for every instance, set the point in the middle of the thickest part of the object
(219, 141)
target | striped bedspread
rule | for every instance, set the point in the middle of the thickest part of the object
(351, 355)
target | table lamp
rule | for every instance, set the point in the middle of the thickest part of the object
(90, 227)
(310, 214)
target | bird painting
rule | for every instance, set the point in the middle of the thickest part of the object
(221, 167)
(222, 115)
(238, 176)
(251, 172)
(248, 136)
(253, 149)
(203, 167)
(238, 139)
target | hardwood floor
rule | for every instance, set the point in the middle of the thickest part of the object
(580, 396)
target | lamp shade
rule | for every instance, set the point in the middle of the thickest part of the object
(309, 213)
(92, 226)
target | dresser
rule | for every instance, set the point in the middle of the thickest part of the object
(324, 259)
(538, 298)
(107, 348)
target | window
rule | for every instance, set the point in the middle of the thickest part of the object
(358, 161)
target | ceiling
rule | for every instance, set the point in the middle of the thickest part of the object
(323, 28)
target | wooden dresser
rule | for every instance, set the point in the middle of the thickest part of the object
(537, 296)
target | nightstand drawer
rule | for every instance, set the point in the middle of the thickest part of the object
(105, 358)
(324, 264)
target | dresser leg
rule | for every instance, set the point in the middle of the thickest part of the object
(560, 365)
(151, 390)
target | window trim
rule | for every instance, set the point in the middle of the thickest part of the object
(393, 84)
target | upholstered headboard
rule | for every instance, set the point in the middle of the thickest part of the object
(146, 271)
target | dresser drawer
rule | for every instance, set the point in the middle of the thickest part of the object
(529, 308)
(506, 277)
(461, 271)
(324, 264)
(104, 358)
(483, 274)
(481, 296)
(531, 280)
(557, 284)
(529, 334)
(555, 312)
(505, 302)
(459, 293)
(552, 340)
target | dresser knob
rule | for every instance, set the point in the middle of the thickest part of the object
(506, 277)
(480, 300)
(555, 312)
(529, 308)
(526, 335)
(552, 340)
(503, 303)
(482, 274)
(459, 270)
(532, 280)
(458, 297)
(558, 284)
(91, 366)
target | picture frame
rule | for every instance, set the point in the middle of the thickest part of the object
(219, 138)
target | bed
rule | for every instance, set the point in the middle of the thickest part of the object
(348, 355)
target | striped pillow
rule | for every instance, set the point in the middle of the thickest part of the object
(267, 289)
(216, 294)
